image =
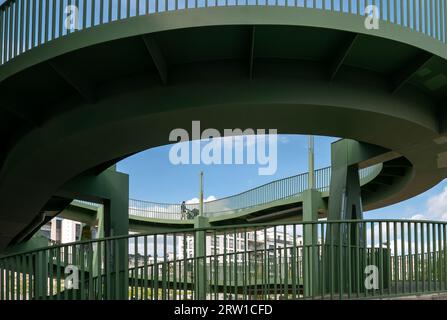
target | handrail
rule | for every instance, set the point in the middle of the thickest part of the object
(26, 24)
(235, 228)
(266, 193)
(261, 195)
(410, 257)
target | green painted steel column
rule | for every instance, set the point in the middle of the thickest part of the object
(344, 191)
(345, 203)
(200, 258)
(40, 275)
(311, 156)
(312, 202)
(116, 223)
(201, 194)
(97, 259)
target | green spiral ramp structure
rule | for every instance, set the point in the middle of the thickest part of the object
(76, 101)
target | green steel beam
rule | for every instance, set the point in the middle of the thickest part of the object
(408, 71)
(342, 54)
(80, 84)
(251, 60)
(157, 56)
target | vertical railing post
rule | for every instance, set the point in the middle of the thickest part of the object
(312, 202)
(311, 161)
(200, 278)
(201, 213)
(40, 275)
(444, 18)
(2, 37)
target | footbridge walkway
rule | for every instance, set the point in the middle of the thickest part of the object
(274, 201)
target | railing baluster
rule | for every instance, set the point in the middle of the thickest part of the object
(19, 30)
(109, 11)
(438, 255)
(10, 27)
(413, 17)
(22, 277)
(49, 262)
(410, 256)
(61, 19)
(396, 261)
(15, 32)
(331, 259)
(436, 17)
(420, 14)
(39, 23)
(423, 256)
(92, 12)
(444, 18)
(156, 268)
(101, 12)
(429, 256)
(2, 37)
(431, 18)
(434, 257)
(402, 13)
(27, 25)
(84, 15)
(444, 254)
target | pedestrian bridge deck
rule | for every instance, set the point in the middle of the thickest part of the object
(275, 201)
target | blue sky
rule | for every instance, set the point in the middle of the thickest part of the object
(154, 178)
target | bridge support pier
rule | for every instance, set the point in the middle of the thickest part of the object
(345, 203)
(115, 224)
(312, 202)
(200, 262)
(345, 200)
(110, 188)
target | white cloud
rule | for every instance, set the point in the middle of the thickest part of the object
(436, 208)
(283, 139)
(196, 200)
(418, 217)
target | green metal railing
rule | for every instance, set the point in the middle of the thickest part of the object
(26, 24)
(313, 260)
(147, 209)
(267, 193)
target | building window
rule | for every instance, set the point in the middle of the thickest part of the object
(78, 232)
(58, 230)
